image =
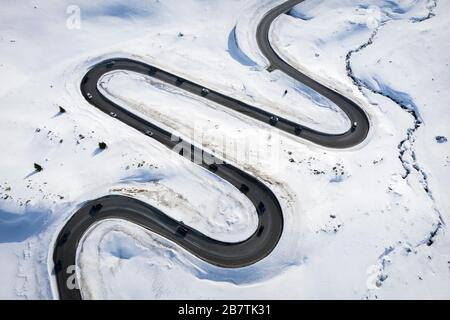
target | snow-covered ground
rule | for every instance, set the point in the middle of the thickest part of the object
(363, 223)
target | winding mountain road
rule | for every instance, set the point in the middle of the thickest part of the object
(223, 254)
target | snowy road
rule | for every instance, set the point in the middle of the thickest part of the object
(270, 224)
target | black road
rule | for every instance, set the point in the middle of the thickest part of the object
(224, 254)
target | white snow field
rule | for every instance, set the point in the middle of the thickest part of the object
(365, 223)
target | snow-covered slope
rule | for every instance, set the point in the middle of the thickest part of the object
(362, 223)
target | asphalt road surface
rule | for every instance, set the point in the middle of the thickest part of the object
(270, 216)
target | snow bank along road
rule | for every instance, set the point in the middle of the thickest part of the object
(270, 225)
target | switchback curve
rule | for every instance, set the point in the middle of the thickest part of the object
(223, 254)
